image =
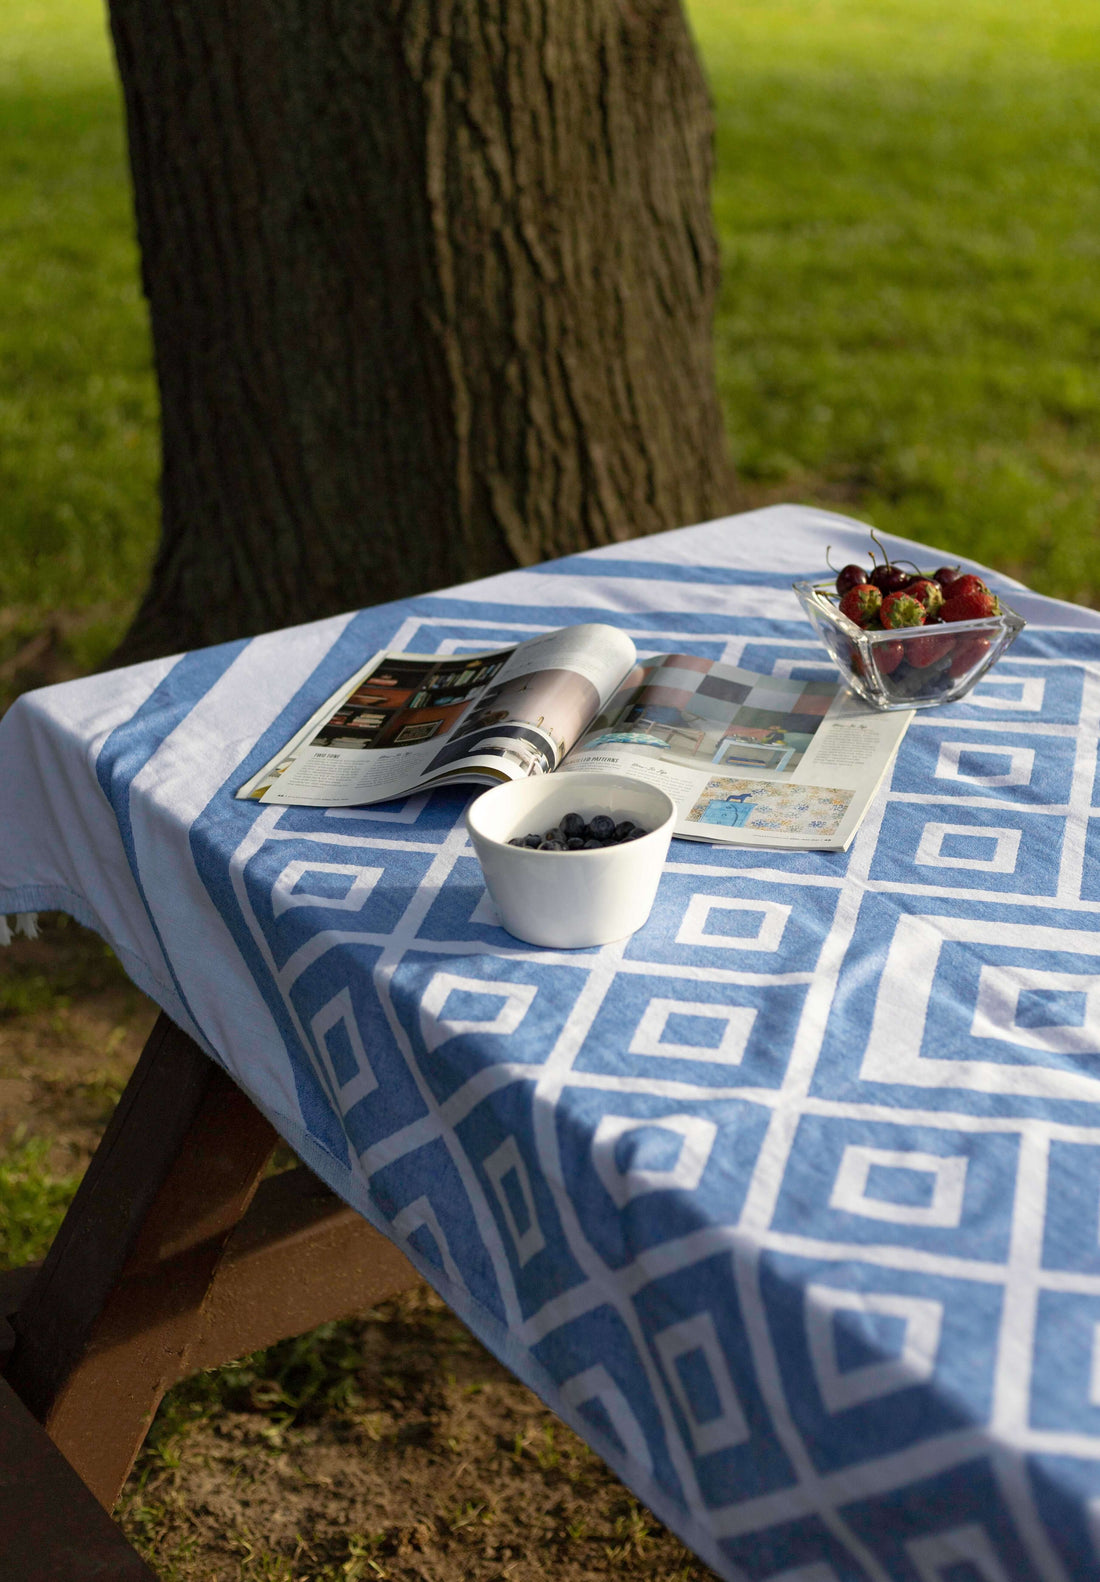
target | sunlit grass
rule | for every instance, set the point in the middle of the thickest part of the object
(910, 224)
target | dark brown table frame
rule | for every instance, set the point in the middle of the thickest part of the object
(177, 1254)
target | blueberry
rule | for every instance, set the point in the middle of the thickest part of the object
(571, 833)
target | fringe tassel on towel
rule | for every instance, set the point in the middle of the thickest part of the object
(26, 923)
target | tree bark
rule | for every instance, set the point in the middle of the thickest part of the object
(431, 286)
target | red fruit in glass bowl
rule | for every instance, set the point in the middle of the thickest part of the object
(924, 651)
(889, 579)
(929, 593)
(861, 604)
(901, 609)
(968, 651)
(965, 584)
(888, 656)
(945, 576)
(969, 606)
(849, 577)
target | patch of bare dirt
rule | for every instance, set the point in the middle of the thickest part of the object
(440, 1467)
(71, 1028)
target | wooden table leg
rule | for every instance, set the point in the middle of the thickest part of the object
(52, 1529)
(160, 1268)
(106, 1324)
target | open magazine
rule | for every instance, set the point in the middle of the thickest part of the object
(749, 759)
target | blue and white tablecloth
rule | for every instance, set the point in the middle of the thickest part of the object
(790, 1204)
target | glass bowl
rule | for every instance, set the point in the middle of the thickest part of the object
(909, 667)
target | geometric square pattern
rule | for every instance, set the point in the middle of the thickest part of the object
(989, 850)
(687, 1029)
(869, 1180)
(790, 1202)
(890, 1357)
(976, 847)
(956, 1007)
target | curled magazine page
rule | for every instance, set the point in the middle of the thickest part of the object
(600, 655)
(547, 693)
(409, 720)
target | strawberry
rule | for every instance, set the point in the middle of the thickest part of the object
(901, 609)
(888, 656)
(967, 583)
(928, 592)
(861, 603)
(968, 652)
(924, 651)
(969, 605)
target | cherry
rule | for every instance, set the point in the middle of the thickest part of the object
(849, 577)
(889, 579)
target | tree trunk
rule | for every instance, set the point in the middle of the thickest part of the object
(431, 286)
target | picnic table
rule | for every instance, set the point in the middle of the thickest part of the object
(789, 1204)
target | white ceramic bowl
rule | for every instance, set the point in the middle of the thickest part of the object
(570, 899)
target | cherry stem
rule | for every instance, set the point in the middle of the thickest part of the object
(879, 544)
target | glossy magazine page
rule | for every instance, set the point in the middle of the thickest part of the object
(749, 759)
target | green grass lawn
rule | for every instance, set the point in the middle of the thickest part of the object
(78, 407)
(909, 209)
(909, 327)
